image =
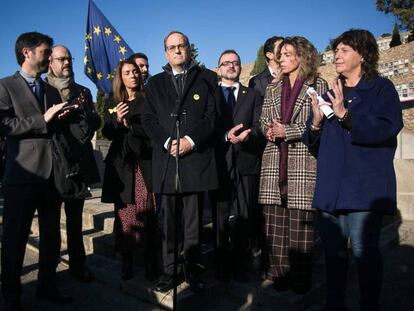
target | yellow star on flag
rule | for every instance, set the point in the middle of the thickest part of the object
(97, 30)
(86, 47)
(88, 36)
(122, 50)
(108, 76)
(117, 39)
(108, 31)
(89, 70)
(99, 75)
(85, 59)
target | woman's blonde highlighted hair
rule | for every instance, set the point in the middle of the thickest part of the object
(304, 49)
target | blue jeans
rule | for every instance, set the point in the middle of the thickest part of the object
(363, 229)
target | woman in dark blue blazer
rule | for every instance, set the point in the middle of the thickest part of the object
(355, 184)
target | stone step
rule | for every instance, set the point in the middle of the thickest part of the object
(96, 215)
(98, 228)
(95, 241)
(102, 243)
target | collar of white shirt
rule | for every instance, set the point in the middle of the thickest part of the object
(236, 85)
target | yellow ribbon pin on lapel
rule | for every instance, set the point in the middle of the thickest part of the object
(111, 111)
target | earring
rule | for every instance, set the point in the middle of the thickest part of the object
(362, 60)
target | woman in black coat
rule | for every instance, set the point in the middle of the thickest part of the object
(127, 180)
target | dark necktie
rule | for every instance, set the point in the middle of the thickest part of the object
(231, 100)
(40, 92)
(180, 83)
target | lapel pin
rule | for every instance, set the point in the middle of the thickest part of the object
(196, 97)
(244, 91)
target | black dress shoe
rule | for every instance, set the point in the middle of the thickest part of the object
(82, 275)
(53, 295)
(127, 270)
(192, 273)
(329, 308)
(13, 306)
(300, 288)
(196, 284)
(280, 284)
(165, 283)
(222, 275)
(241, 277)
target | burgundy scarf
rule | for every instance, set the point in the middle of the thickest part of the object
(288, 100)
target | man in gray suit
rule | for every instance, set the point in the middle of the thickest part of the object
(30, 112)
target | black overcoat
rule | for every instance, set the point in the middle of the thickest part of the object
(130, 146)
(197, 168)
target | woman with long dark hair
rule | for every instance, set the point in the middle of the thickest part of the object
(288, 170)
(355, 183)
(127, 179)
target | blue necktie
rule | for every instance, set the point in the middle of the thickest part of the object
(40, 92)
(231, 100)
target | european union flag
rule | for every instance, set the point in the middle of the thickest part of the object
(103, 50)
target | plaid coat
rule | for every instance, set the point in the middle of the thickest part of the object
(301, 168)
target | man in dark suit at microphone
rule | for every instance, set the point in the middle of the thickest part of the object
(187, 90)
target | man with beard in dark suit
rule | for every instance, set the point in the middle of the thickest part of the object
(30, 112)
(238, 145)
(271, 72)
(186, 90)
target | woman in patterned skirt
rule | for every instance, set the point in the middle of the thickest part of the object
(288, 172)
(127, 179)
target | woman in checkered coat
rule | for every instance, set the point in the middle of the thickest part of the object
(288, 170)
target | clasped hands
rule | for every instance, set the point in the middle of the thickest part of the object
(235, 137)
(184, 148)
(275, 130)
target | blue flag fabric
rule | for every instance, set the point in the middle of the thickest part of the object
(103, 50)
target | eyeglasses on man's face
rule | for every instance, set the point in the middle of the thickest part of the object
(173, 48)
(235, 63)
(63, 59)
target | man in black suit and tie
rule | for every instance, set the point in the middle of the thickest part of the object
(30, 110)
(238, 146)
(260, 81)
(187, 90)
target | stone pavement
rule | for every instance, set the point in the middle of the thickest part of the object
(92, 296)
(397, 295)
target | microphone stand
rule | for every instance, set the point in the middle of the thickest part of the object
(177, 189)
(176, 115)
(177, 209)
